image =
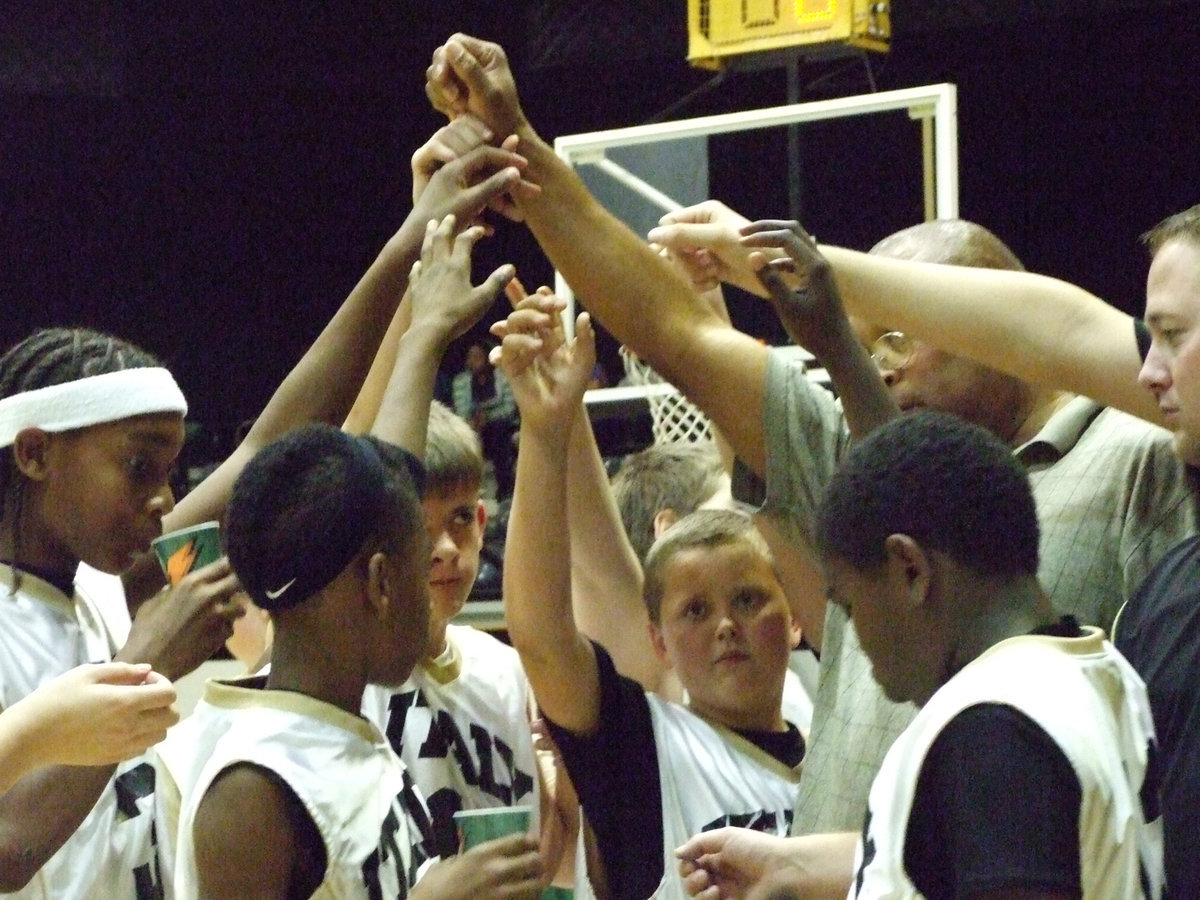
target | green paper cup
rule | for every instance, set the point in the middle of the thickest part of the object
(475, 826)
(181, 551)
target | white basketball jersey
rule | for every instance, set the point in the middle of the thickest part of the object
(43, 634)
(1089, 700)
(710, 777)
(461, 725)
(369, 814)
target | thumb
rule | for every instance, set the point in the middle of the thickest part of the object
(478, 195)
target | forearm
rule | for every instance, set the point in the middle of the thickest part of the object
(20, 744)
(820, 866)
(403, 416)
(370, 396)
(1040, 329)
(614, 273)
(537, 586)
(606, 577)
(641, 299)
(866, 401)
(39, 813)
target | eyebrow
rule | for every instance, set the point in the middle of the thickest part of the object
(152, 437)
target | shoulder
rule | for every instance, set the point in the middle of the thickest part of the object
(247, 833)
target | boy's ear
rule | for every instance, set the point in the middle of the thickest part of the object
(378, 585)
(659, 645)
(480, 514)
(909, 568)
(30, 451)
(664, 519)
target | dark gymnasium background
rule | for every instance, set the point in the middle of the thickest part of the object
(209, 179)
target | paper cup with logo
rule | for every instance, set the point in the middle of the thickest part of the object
(475, 826)
(181, 551)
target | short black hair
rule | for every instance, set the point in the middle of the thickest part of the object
(950, 485)
(307, 503)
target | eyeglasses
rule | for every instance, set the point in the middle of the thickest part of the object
(893, 350)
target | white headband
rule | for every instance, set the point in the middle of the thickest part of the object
(90, 401)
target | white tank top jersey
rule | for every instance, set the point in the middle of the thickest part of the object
(710, 777)
(461, 725)
(1092, 704)
(361, 799)
(43, 633)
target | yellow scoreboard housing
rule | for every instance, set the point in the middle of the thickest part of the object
(721, 32)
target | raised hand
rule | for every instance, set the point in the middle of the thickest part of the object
(443, 298)
(178, 629)
(811, 304)
(447, 144)
(539, 314)
(508, 868)
(468, 75)
(548, 381)
(705, 240)
(467, 185)
(455, 141)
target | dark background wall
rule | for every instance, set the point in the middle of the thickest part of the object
(209, 179)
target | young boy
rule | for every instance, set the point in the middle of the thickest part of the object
(718, 615)
(461, 721)
(285, 790)
(941, 582)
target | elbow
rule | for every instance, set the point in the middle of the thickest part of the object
(17, 869)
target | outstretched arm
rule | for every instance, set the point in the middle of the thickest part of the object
(558, 659)
(606, 577)
(444, 305)
(636, 295)
(1040, 329)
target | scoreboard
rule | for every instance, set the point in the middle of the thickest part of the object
(743, 32)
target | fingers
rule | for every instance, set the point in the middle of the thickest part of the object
(515, 291)
(684, 236)
(585, 339)
(493, 284)
(774, 283)
(114, 673)
(704, 212)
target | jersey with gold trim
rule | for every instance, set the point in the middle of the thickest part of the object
(461, 725)
(1092, 704)
(710, 777)
(362, 801)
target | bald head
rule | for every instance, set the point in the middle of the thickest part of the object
(952, 242)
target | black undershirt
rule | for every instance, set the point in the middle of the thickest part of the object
(996, 805)
(615, 773)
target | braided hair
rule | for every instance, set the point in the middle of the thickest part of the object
(53, 356)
